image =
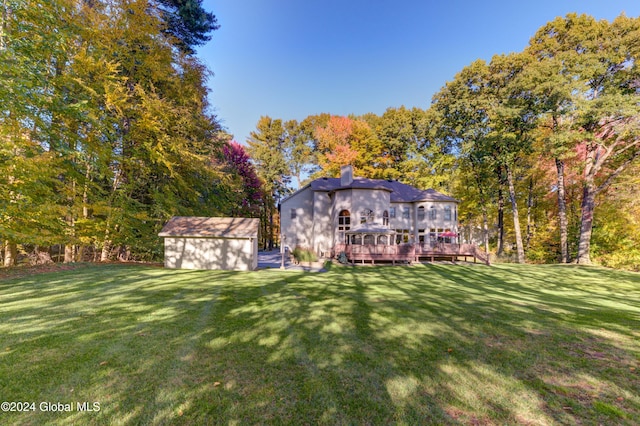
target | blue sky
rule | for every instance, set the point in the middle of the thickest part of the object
(292, 58)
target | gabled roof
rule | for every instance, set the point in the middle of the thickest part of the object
(221, 227)
(400, 192)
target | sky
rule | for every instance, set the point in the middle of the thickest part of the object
(289, 59)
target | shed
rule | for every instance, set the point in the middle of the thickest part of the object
(211, 243)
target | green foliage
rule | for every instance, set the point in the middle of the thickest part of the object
(570, 99)
(616, 232)
(304, 255)
(188, 22)
(105, 126)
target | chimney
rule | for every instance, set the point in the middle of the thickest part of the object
(346, 175)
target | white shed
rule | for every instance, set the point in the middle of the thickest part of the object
(211, 243)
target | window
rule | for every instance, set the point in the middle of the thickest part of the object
(385, 218)
(293, 213)
(432, 213)
(402, 236)
(405, 212)
(447, 213)
(392, 212)
(344, 220)
(421, 213)
(366, 215)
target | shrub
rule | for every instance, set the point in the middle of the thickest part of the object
(303, 255)
(629, 260)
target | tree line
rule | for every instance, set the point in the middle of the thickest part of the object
(106, 130)
(541, 146)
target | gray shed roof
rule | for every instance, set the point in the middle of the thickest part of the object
(211, 227)
(400, 192)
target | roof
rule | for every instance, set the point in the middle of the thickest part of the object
(211, 227)
(370, 228)
(400, 192)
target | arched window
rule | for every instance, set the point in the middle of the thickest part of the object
(385, 218)
(421, 213)
(344, 223)
(344, 220)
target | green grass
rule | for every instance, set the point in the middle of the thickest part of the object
(426, 344)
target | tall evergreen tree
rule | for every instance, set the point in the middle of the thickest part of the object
(188, 22)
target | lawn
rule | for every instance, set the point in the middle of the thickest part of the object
(424, 344)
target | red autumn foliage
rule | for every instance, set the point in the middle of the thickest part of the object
(238, 160)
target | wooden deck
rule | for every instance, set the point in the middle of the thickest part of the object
(407, 253)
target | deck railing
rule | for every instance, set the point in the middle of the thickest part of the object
(409, 252)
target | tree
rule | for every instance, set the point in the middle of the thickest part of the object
(266, 146)
(598, 92)
(188, 22)
(484, 112)
(247, 186)
(298, 149)
(551, 81)
(30, 96)
(334, 144)
(106, 127)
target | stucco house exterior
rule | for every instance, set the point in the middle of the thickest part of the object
(211, 243)
(329, 213)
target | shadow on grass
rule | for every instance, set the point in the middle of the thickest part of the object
(423, 344)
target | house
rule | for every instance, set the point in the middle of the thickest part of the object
(211, 243)
(390, 218)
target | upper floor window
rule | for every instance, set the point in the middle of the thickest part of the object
(432, 213)
(392, 212)
(293, 213)
(367, 215)
(405, 212)
(385, 218)
(421, 213)
(447, 213)
(344, 220)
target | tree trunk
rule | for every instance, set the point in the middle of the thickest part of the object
(530, 224)
(586, 221)
(82, 249)
(500, 249)
(483, 203)
(124, 253)
(10, 253)
(485, 229)
(106, 245)
(270, 228)
(516, 220)
(562, 213)
(4, 19)
(80, 253)
(69, 253)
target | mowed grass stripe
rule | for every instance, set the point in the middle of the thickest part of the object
(434, 344)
